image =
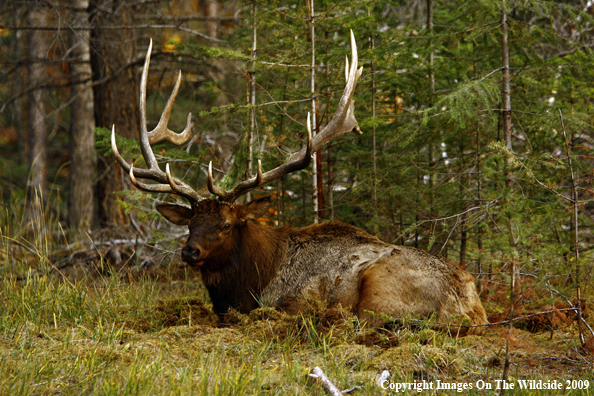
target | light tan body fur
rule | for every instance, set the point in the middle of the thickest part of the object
(340, 264)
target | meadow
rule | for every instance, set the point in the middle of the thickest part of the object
(77, 321)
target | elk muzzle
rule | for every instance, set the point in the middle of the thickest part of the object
(192, 255)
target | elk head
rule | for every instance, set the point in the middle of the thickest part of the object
(214, 227)
(214, 223)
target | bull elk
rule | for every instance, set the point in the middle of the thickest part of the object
(243, 264)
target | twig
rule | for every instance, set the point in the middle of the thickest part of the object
(354, 388)
(115, 27)
(384, 376)
(574, 198)
(573, 307)
(329, 387)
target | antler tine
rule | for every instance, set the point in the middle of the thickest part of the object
(148, 187)
(309, 148)
(168, 183)
(145, 146)
(344, 119)
(214, 189)
(161, 131)
(341, 123)
(181, 188)
(238, 190)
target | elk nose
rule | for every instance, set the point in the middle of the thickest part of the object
(190, 254)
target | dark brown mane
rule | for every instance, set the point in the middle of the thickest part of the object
(248, 269)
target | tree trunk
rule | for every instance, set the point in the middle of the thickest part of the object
(464, 187)
(37, 49)
(373, 144)
(316, 160)
(463, 245)
(329, 158)
(330, 172)
(116, 98)
(506, 96)
(211, 10)
(479, 186)
(479, 232)
(252, 99)
(81, 204)
(576, 235)
(18, 82)
(431, 149)
(281, 128)
(507, 131)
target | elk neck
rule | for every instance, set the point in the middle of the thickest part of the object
(251, 264)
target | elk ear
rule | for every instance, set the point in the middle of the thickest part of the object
(179, 215)
(255, 209)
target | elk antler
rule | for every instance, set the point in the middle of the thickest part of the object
(161, 132)
(342, 122)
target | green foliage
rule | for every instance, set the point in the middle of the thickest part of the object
(461, 104)
(438, 179)
(210, 52)
(103, 142)
(237, 171)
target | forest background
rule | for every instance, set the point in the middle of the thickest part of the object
(477, 120)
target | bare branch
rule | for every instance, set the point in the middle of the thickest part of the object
(330, 388)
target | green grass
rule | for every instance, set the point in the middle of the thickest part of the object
(117, 338)
(154, 334)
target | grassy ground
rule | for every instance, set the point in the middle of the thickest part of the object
(155, 336)
(98, 319)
